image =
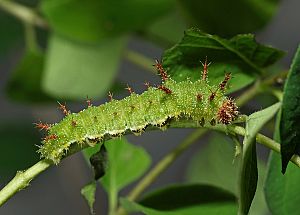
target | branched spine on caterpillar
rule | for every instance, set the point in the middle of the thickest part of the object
(197, 101)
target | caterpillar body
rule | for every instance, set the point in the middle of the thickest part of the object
(197, 101)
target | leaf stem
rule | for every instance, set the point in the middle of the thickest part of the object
(25, 14)
(22, 179)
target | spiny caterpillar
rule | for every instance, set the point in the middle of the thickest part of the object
(197, 101)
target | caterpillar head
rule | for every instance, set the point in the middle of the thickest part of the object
(227, 112)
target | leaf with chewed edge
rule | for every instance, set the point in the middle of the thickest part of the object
(240, 55)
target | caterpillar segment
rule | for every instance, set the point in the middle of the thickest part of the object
(198, 101)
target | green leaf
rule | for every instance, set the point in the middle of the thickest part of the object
(215, 165)
(121, 162)
(90, 151)
(217, 157)
(88, 192)
(289, 125)
(126, 163)
(185, 199)
(25, 83)
(230, 17)
(93, 20)
(74, 70)
(249, 172)
(179, 196)
(212, 209)
(241, 55)
(281, 191)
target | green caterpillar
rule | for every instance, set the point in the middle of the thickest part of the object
(197, 100)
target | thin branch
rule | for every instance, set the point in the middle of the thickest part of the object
(140, 60)
(264, 140)
(274, 78)
(22, 180)
(277, 93)
(162, 165)
(262, 86)
(25, 14)
(30, 38)
(234, 129)
(18, 183)
(249, 93)
(171, 156)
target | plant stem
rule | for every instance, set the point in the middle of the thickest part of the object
(249, 93)
(25, 14)
(140, 60)
(162, 165)
(112, 194)
(30, 38)
(234, 129)
(22, 179)
(113, 201)
(273, 78)
(171, 156)
(7, 191)
(264, 140)
(261, 86)
(277, 93)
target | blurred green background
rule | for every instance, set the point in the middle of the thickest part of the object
(53, 50)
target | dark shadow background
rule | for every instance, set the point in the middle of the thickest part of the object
(57, 191)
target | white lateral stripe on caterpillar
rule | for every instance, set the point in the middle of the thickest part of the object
(193, 100)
